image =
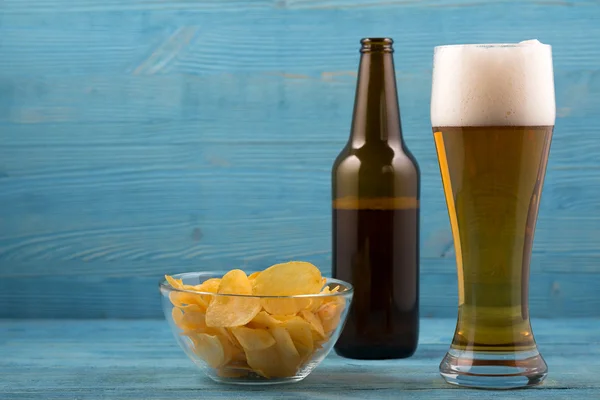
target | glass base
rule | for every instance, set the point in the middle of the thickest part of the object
(244, 376)
(486, 370)
(257, 382)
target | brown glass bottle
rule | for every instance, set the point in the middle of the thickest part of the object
(375, 189)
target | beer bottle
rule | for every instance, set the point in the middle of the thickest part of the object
(375, 193)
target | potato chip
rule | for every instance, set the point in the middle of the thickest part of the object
(210, 285)
(191, 308)
(189, 320)
(235, 282)
(210, 349)
(337, 301)
(177, 283)
(315, 324)
(177, 316)
(232, 352)
(290, 358)
(240, 364)
(263, 320)
(288, 279)
(327, 290)
(228, 372)
(220, 332)
(284, 306)
(304, 351)
(284, 342)
(235, 368)
(224, 334)
(229, 334)
(283, 318)
(300, 332)
(253, 339)
(330, 314)
(230, 311)
(239, 358)
(253, 275)
(266, 362)
(182, 299)
(317, 302)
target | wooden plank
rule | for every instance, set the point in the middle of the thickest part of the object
(73, 147)
(552, 264)
(306, 394)
(128, 288)
(140, 360)
(287, 229)
(266, 104)
(69, 213)
(192, 41)
(44, 6)
(90, 6)
(342, 4)
(213, 176)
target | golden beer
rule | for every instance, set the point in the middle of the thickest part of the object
(493, 204)
(492, 113)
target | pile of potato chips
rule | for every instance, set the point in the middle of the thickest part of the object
(273, 337)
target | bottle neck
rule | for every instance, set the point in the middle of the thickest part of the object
(376, 112)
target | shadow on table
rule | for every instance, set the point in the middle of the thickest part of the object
(327, 381)
(365, 380)
(419, 372)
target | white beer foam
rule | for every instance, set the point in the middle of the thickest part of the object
(493, 85)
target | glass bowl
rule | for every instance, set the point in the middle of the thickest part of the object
(282, 343)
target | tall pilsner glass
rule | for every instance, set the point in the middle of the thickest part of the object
(493, 112)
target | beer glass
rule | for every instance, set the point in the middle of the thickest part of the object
(492, 113)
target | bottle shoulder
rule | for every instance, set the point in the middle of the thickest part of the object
(387, 159)
(363, 173)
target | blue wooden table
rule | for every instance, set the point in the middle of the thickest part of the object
(118, 359)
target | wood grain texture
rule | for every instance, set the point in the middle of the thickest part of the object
(140, 137)
(45, 6)
(140, 360)
(295, 42)
(105, 289)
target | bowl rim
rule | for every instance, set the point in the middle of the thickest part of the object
(164, 285)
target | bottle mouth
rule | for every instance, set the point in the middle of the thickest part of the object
(379, 44)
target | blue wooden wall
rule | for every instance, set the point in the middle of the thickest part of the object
(139, 137)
